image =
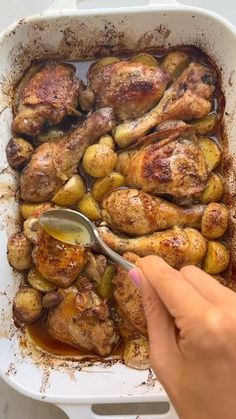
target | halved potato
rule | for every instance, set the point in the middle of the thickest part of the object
(216, 259)
(146, 59)
(99, 160)
(106, 184)
(53, 135)
(71, 192)
(214, 189)
(211, 151)
(38, 282)
(89, 207)
(174, 63)
(205, 125)
(214, 221)
(107, 140)
(136, 354)
(105, 61)
(105, 286)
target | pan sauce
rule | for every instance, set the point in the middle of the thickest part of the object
(36, 330)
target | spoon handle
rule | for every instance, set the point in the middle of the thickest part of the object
(113, 255)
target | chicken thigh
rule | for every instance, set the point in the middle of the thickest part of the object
(53, 163)
(128, 298)
(189, 97)
(58, 262)
(135, 212)
(130, 88)
(82, 320)
(173, 166)
(46, 97)
(177, 246)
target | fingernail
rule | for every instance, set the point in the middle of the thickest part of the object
(134, 275)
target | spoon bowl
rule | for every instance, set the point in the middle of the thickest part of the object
(74, 228)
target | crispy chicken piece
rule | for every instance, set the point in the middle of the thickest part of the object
(130, 88)
(128, 298)
(177, 246)
(54, 163)
(82, 320)
(173, 166)
(46, 97)
(135, 212)
(189, 97)
(58, 262)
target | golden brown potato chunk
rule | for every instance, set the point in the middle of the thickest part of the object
(27, 306)
(19, 252)
(18, 152)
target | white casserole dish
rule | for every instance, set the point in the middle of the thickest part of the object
(71, 31)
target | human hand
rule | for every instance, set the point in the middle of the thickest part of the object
(192, 333)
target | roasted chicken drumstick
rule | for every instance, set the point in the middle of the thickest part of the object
(189, 97)
(54, 163)
(136, 213)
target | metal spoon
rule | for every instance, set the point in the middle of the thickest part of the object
(73, 227)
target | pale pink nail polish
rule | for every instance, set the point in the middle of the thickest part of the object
(134, 275)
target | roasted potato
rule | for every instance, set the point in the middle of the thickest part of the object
(89, 207)
(105, 61)
(214, 189)
(38, 282)
(71, 192)
(51, 299)
(136, 354)
(205, 125)
(197, 247)
(18, 152)
(105, 185)
(28, 209)
(31, 227)
(216, 259)
(19, 252)
(99, 160)
(107, 140)
(214, 221)
(27, 305)
(211, 151)
(105, 286)
(146, 59)
(174, 63)
(53, 135)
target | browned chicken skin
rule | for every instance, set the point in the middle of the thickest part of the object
(177, 246)
(82, 320)
(189, 97)
(173, 166)
(58, 262)
(130, 88)
(135, 212)
(128, 298)
(54, 163)
(47, 96)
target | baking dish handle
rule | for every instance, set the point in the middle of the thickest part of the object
(61, 5)
(86, 412)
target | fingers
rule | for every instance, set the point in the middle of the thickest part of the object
(207, 286)
(176, 293)
(164, 351)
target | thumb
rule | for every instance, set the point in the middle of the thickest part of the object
(164, 351)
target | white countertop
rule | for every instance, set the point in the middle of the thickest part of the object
(12, 404)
